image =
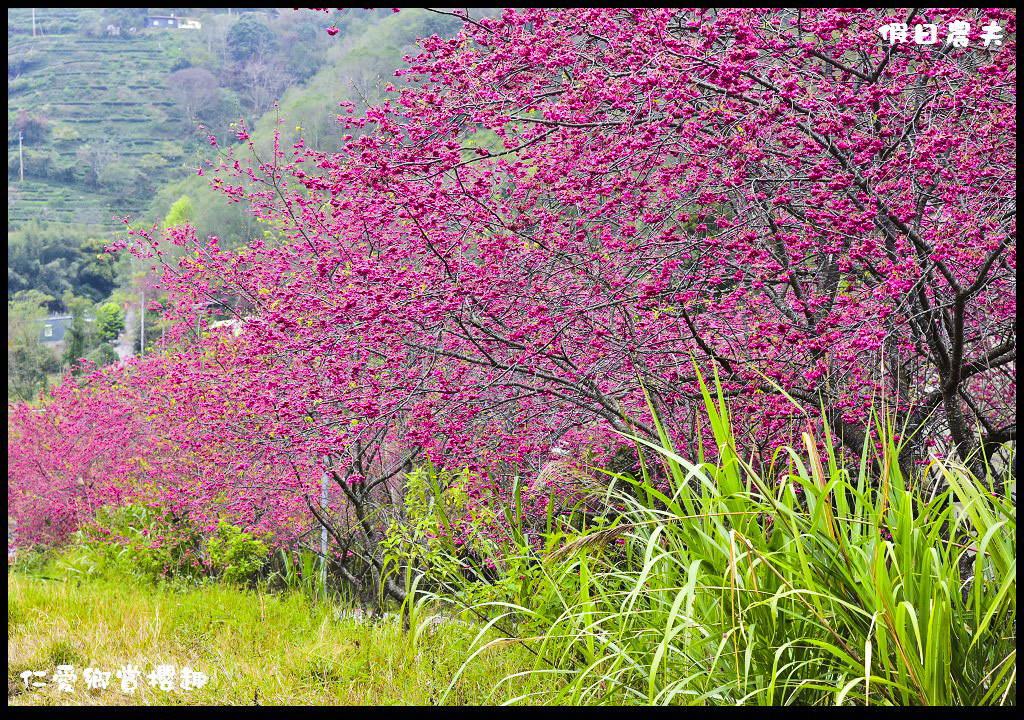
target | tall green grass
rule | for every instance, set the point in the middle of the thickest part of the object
(838, 585)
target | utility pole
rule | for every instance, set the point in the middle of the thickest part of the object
(142, 325)
(323, 532)
(21, 160)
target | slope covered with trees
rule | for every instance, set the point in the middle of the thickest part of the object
(108, 109)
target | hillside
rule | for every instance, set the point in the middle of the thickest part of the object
(110, 128)
(96, 120)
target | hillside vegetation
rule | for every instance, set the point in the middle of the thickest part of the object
(110, 123)
(114, 120)
(95, 115)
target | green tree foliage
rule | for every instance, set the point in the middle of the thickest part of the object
(80, 338)
(249, 37)
(209, 214)
(125, 180)
(39, 165)
(87, 337)
(56, 258)
(20, 60)
(96, 272)
(27, 369)
(375, 40)
(181, 211)
(28, 362)
(104, 354)
(109, 321)
(219, 114)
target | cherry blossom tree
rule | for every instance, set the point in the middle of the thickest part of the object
(786, 196)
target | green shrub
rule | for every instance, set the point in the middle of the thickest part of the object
(103, 355)
(64, 133)
(235, 554)
(419, 542)
(123, 178)
(125, 537)
(437, 508)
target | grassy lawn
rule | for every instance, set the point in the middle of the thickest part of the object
(254, 647)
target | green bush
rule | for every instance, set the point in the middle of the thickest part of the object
(122, 178)
(437, 508)
(127, 536)
(235, 554)
(104, 354)
(122, 541)
(123, 538)
(65, 133)
(418, 541)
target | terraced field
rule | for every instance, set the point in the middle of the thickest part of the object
(93, 91)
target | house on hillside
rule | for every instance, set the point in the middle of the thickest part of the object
(55, 328)
(171, 21)
(162, 21)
